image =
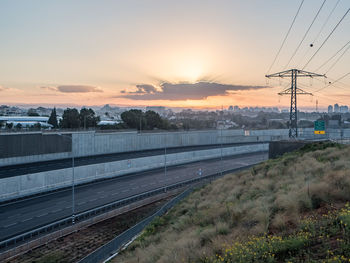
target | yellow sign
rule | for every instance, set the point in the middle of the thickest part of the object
(320, 132)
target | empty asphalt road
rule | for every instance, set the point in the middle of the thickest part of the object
(24, 215)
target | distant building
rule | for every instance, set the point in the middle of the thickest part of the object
(25, 121)
(230, 108)
(330, 109)
(236, 108)
(344, 109)
(7, 110)
(336, 108)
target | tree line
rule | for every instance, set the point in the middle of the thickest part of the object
(73, 119)
(132, 119)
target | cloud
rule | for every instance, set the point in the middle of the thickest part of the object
(184, 91)
(2, 88)
(142, 89)
(73, 89)
(49, 88)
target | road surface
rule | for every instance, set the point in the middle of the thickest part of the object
(27, 214)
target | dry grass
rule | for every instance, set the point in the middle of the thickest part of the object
(269, 198)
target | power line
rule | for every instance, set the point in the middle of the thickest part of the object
(285, 38)
(338, 59)
(319, 93)
(327, 37)
(345, 75)
(334, 55)
(307, 31)
(322, 95)
(326, 21)
(318, 34)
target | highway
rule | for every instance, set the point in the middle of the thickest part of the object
(22, 169)
(20, 216)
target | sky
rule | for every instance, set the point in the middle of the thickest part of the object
(184, 53)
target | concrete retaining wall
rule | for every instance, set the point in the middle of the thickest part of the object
(18, 186)
(33, 147)
(279, 148)
(91, 143)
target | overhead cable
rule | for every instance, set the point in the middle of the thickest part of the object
(334, 55)
(326, 38)
(285, 38)
(307, 31)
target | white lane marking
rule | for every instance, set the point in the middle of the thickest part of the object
(14, 215)
(10, 225)
(27, 219)
(42, 215)
(92, 200)
(81, 203)
(123, 191)
(57, 210)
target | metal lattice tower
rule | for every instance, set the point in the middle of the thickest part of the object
(293, 91)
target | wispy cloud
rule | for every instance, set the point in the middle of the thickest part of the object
(73, 89)
(184, 91)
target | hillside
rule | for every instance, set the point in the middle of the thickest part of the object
(290, 209)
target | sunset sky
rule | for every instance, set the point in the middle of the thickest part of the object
(201, 54)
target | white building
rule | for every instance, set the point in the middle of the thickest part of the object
(25, 121)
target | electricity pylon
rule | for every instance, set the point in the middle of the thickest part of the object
(293, 91)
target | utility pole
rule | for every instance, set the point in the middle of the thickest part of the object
(293, 91)
(221, 139)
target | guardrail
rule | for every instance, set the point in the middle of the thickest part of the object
(118, 242)
(37, 232)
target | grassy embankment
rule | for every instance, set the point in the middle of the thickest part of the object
(291, 209)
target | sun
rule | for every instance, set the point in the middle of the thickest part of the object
(191, 71)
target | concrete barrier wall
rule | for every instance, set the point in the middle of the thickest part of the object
(29, 184)
(91, 143)
(34, 158)
(27, 144)
(95, 143)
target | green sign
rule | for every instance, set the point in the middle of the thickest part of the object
(320, 127)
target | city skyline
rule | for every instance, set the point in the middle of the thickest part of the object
(141, 54)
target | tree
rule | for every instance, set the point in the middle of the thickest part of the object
(37, 126)
(53, 119)
(9, 125)
(153, 120)
(133, 118)
(70, 119)
(87, 118)
(32, 112)
(136, 119)
(18, 126)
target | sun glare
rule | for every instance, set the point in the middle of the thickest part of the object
(192, 72)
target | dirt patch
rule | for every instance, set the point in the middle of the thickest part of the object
(75, 246)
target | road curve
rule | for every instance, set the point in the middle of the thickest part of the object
(24, 215)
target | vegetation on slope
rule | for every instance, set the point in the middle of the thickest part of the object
(273, 212)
